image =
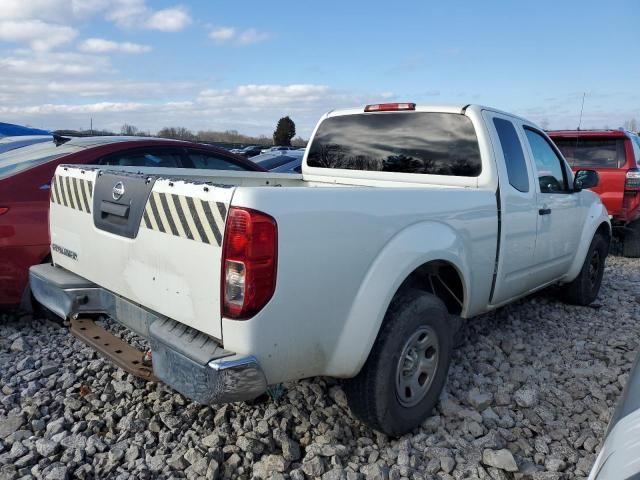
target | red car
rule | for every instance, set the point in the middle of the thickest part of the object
(25, 176)
(615, 155)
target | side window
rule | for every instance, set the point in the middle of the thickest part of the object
(211, 162)
(635, 142)
(144, 158)
(551, 174)
(513, 154)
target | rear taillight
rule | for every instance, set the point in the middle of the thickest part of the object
(632, 180)
(389, 107)
(249, 260)
(3, 210)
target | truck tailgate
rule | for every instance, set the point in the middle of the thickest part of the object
(152, 240)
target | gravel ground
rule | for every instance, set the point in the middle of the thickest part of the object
(529, 396)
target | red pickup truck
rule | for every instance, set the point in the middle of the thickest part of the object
(615, 155)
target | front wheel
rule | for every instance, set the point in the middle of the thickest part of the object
(584, 289)
(401, 380)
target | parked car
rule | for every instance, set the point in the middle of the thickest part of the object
(251, 151)
(619, 457)
(615, 155)
(405, 220)
(11, 143)
(25, 176)
(11, 130)
(277, 149)
(282, 162)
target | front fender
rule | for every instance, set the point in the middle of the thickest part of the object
(596, 215)
(408, 249)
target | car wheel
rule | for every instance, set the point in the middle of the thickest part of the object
(401, 380)
(631, 244)
(584, 289)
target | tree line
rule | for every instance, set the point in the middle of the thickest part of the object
(284, 134)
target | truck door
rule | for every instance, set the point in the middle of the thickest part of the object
(560, 216)
(518, 211)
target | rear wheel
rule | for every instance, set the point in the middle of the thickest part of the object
(631, 244)
(401, 381)
(584, 289)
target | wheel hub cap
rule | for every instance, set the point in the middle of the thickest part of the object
(417, 366)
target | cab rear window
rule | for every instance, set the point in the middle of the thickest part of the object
(592, 152)
(412, 142)
(24, 158)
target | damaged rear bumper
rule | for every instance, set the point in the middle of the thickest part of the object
(189, 361)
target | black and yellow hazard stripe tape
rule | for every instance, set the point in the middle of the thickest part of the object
(187, 217)
(72, 192)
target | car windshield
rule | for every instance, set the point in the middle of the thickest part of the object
(20, 159)
(420, 143)
(592, 152)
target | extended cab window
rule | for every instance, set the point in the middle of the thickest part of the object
(416, 142)
(513, 154)
(551, 174)
(212, 162)
(592, 152)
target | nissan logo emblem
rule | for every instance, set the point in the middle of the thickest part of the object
(118, 191)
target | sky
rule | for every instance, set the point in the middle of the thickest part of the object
(223, 65)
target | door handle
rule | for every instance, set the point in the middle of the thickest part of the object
(544, 211)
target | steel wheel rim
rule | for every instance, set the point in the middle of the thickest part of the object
(594, 268)
(417, 366)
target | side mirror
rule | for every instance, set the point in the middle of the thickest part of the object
(585, 179)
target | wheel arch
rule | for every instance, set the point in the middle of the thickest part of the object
(405, 262)
(596, 222)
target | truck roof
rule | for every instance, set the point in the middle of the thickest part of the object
(451, 108)
(588, 133)
(419, 108)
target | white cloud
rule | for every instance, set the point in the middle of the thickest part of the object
(48, 108)
(40, 35)
(252, 36)
(100, 45)
(127, 13)
(58, 11)
(124, 13)
(253, 109)
(169, 20)
(222, 34)
(51, 64)
(238, 37)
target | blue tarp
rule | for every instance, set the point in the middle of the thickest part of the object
(10, 130)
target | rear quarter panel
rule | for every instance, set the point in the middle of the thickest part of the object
(343, 252)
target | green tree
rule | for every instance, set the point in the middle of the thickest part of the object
(285, 131)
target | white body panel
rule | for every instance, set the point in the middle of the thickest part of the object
(346, 241)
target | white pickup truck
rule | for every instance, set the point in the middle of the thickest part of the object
(405, 219)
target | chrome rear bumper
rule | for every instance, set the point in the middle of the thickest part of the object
(201, 370)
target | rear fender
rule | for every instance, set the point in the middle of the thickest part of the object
(409, 249)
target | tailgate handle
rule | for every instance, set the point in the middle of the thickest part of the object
(114, 209)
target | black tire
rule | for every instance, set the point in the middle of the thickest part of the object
(631, 244)
(584, 289)
(373, 395)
